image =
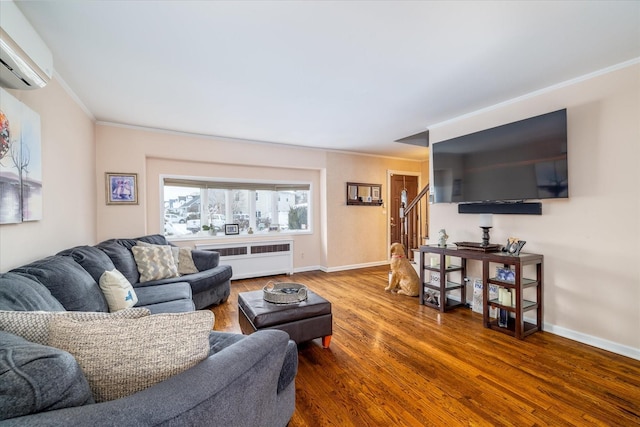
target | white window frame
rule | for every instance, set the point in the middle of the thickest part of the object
(212, 181)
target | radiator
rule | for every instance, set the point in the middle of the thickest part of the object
(256, 258)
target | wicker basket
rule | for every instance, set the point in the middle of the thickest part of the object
(284, 293)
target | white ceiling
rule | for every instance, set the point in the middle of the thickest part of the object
(346, 75)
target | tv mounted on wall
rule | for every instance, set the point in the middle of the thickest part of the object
(518, 161)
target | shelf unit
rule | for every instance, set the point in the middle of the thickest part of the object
(516, 325)
(444, 270)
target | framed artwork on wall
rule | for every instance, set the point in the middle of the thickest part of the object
(20, 161)
(121, 188)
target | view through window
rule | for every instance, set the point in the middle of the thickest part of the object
(200, 208)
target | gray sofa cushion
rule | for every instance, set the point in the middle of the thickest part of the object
(68, 282)
(148, 295)
(20, 292)
(36, 378)
(178, 306)
(199, 282)
(93, 260)
(122, 259)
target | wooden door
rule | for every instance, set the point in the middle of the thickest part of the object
(399, 183)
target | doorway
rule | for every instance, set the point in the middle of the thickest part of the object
(397, 183)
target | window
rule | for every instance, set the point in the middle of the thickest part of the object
(202, 208)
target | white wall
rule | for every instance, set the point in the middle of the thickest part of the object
(68, 181)
(589, 241)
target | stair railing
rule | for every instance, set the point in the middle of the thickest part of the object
(415, 224)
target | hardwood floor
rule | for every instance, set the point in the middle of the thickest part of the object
(393, 362)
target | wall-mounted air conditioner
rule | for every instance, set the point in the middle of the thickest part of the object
(25, 60)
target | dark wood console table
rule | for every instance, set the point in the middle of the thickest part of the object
(436, 294)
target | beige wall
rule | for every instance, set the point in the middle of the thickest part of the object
(68, 165)
(589, 241)
(358, 235)
(343, 237)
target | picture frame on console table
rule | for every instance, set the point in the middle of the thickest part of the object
(121, 188)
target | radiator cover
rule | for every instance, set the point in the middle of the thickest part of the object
(254, 258)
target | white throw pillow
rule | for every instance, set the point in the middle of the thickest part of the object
(117, 290)
(154, 262)
(122, 356)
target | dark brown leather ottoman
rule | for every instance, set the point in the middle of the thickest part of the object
(303, 321)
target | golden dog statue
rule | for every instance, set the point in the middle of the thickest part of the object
(403, 276)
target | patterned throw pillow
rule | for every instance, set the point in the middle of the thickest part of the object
(117, 290)
(181, 256)
(34, 325)
(154, 262)
(175, 251)
(122, 356)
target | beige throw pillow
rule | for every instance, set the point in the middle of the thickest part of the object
(34, 325)
(154, 262)
(122, 356)
(186, 265)
(117, 290)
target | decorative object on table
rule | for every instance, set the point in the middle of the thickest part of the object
(503, 318)
(435, 278)
(250, 231)
(475, 246)
(505, 297)
(477, 305)
(121, 188)
(403, 276)
(431, 297)
(231, 229)
(486, 223)
(442, 237)
(284, 292)
(505, 274)
(514, 245)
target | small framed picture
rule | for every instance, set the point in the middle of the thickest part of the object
(514, 245)
(505, 274)
(231, 229)
(121, 188)
(375, 193)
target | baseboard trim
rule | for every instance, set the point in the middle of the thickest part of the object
(600, 343)
(308, 268)
(354, 266)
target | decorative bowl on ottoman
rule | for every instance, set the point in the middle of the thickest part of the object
(284, 292)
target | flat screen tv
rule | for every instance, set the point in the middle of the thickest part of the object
(518, 161)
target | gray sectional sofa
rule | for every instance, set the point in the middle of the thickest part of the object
(245, 380)
(209, 286)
